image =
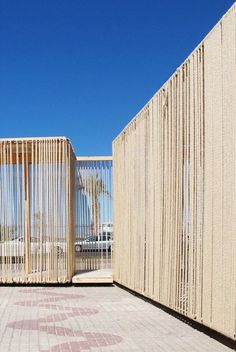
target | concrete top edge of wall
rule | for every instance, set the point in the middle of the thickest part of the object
(94, 158)
(233, 7)
(34, 139)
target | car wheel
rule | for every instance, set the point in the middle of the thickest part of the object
(78, 248)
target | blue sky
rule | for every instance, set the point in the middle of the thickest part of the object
(84, 68)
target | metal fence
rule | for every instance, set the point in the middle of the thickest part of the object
(93, 213)
(175, 188)
(36, 210)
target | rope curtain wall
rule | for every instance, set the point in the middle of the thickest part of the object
(174, 188)
(94, 227)
(36, 210)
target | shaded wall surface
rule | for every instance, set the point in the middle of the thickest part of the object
(175, 188)
(36, 210)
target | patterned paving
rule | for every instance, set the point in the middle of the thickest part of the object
(73, 319)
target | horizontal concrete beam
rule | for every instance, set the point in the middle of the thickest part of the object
(93, 158)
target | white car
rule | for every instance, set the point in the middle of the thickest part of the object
(16, 247)
(102, 242)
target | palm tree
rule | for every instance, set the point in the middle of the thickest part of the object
(95, 187)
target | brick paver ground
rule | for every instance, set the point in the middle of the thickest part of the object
(73, 319)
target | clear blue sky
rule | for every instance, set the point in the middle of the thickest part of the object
(83, 68)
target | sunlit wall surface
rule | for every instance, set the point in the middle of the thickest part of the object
(36, 210)
(93, 213)
(175, 188)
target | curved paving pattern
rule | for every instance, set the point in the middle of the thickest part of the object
(74, 319)
(87, 340)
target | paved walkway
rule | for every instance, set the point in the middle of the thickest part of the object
(73, 319)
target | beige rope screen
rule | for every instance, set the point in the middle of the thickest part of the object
(36, 210)
(174, 188)
(93, 219)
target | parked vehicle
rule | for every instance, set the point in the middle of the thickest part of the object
(16, 247)
(101, 242)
